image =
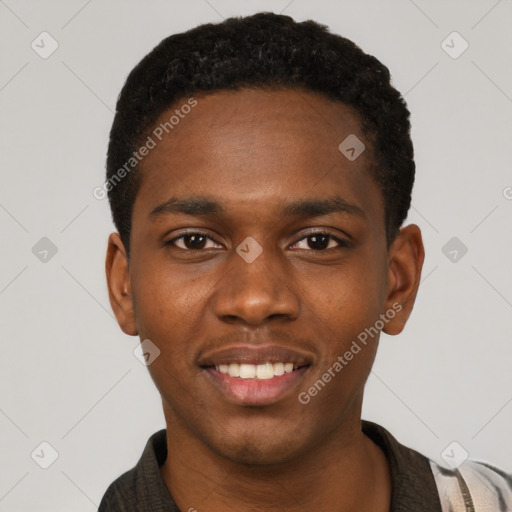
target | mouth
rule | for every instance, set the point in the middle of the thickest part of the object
(257, 376)
(263, 371)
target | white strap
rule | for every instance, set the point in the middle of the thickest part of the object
(473, 487)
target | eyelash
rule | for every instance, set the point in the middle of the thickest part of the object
(342, 243)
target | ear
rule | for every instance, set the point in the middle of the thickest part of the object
(406, 255)
(119, 285)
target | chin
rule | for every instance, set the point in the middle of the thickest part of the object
(258, 455)
(260, 448)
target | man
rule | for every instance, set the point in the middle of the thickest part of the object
(259, 172)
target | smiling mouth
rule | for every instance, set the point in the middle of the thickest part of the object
(255, 375)
(263, 371)
(263, 384)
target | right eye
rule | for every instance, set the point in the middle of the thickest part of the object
(191, 241)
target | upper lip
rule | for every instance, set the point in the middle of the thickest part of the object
(251, 354)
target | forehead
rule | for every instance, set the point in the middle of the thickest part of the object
(253, 147)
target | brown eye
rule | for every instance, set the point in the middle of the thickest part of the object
(318, 241)
(321, 241)
(194, 241)
(191, 241)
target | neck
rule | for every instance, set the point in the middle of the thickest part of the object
(345, 473)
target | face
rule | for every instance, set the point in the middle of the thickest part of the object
(257, 246)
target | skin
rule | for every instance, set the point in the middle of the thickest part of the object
(252, 151)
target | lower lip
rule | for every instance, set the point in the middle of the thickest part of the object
(256, 391)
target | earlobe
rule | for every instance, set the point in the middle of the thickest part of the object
(406, 256)
(119, 286)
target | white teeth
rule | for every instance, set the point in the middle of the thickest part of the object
(278, 368)
(264, 371)
(233, 370)
(247, 371)
(255, 371)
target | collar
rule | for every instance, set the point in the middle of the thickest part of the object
(413, 484)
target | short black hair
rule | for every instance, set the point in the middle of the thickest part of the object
(264, 50)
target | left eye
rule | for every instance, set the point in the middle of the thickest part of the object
(191, 241)
(321, 241)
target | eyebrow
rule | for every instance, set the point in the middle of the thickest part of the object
(204, 206)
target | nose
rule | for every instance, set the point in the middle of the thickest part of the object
(253, 292)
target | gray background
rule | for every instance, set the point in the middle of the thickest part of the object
(68, 375)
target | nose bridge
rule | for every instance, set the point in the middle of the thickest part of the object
(254, 286)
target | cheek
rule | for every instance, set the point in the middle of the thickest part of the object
(349, 345)
(168, 310)
(346, 307)
(348, 297)
(163, 294)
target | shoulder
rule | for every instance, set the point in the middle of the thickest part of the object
(121, 490)
(141, 488)
(473, 486)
